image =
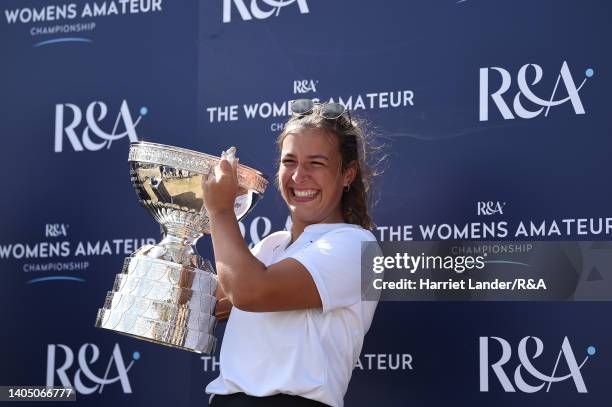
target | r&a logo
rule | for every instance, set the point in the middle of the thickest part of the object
(85, 362)
(56, 229)
(94, 115)
(304, 86)
(490, 208)
(564, 76)
(526, 365)
(257, 12)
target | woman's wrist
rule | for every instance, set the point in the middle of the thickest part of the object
(221, 213)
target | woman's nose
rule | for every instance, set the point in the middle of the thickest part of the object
(300, 174)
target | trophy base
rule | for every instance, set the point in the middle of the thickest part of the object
(163, 302)
(157, 332)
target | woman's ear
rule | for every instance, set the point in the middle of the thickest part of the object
(350, 173)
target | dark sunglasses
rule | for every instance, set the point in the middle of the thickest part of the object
(331, 111)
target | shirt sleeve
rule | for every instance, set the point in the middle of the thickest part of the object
(334, 262)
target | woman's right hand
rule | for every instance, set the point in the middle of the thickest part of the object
(224, 305)
(221, 187)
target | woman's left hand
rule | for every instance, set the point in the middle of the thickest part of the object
(220, 187)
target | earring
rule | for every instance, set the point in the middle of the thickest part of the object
(347, 188)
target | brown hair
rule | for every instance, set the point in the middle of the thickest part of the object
(353, 146)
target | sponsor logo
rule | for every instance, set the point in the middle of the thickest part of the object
(56, 229)
(73, 22)
(527, 77)
(63, 257)
(90, 376)
(395, 99)
(490, 208)
(304, 86)
(497, 229)
(271, 8)
(281, 109)
(93, 137)
(565, 359)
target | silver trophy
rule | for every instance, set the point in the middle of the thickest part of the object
(165, 292)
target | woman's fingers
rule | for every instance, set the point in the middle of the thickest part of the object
(235, 168)
(225, 166)
(219, 171)
(205, 179)
(220, 186)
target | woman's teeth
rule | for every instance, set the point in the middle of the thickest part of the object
(305, 193)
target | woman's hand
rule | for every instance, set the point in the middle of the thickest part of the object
(221, 187)
(224, 305)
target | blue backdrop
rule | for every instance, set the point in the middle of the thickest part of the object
(494, 112)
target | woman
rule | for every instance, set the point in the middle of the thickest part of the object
(297, 324)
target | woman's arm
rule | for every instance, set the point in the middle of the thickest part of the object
(247, 282)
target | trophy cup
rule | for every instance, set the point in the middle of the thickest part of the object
(165, 292)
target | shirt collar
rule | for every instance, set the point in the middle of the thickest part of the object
(325, 227)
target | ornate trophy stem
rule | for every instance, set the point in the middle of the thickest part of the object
(183, 234)
(166, 292)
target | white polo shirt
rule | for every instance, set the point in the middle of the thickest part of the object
(312, 352)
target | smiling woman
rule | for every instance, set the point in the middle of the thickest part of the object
(310, 179)
(339, 148)
(298, 321)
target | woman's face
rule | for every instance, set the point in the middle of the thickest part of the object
(310, 177)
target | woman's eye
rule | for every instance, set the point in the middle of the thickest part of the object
(317, 163)
(288, 162)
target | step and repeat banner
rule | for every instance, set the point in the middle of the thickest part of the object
(496, 120)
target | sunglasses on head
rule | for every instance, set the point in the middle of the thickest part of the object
(330, 111)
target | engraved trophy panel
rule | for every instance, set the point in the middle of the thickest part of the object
(165, 292)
